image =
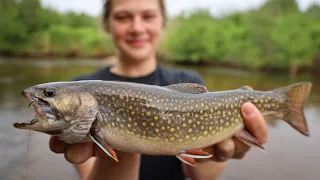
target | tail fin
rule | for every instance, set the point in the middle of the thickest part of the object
(296, 96)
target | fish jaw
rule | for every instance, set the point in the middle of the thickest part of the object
(67, 114)
(41, 120)
(32, 125)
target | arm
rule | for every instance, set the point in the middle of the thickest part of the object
(229, 148)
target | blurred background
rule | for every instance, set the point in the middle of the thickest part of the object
(262, 43)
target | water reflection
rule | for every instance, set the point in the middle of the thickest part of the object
(16, 75)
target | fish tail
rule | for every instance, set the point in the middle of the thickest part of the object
(296, 96)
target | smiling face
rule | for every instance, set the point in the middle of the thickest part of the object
(135, 26)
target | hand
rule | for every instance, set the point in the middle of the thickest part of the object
(75, 153)
(232, 147)
(101, 167)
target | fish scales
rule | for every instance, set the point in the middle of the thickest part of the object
(158, 115)
(154, 120)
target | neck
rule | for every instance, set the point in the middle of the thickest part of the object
(128, 68)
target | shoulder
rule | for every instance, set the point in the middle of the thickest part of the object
(98, 75)
(172, 76)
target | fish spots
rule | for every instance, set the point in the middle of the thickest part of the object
(156, 118)
(227, 124)
(172, 130)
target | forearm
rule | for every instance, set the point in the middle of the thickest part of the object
(106, 168)
(209, 170)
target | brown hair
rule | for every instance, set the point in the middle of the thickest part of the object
(108, 5)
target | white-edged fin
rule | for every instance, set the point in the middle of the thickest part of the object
(188, 160)
(248, 139)
(198, 154)
(104, 146)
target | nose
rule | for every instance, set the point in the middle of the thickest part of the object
(137, 25)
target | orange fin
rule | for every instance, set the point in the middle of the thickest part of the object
(198, 153)
(188, 160)
(248, 139)
(104, 146)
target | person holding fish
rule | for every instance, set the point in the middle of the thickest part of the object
(136, 27)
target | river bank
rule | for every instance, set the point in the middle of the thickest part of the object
(293, 71)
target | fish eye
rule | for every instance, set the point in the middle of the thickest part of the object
(50, 92)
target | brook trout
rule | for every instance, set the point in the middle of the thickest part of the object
(178, 119)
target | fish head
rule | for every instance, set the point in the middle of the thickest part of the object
(60, 108)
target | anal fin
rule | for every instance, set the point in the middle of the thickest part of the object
(189, 155)
(104, 146)
(197, 153)
(248, 139)
(188, 160)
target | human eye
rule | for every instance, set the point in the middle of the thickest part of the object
(122, 17)
(149, 17)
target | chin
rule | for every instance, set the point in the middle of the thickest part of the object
(139, 54)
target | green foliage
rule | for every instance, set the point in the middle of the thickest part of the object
(277, 35)
(29, 27)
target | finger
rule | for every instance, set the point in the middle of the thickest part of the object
(254, 122)
(240, 149)
(224, 150)
(56, 145)
(78, 153)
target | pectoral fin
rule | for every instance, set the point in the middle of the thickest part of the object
(248, 139)
(104, 146)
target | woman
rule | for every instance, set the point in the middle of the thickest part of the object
(136, 27)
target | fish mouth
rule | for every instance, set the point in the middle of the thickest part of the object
(43, 113)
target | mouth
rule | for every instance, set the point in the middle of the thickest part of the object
(136, 42)
(42, 114)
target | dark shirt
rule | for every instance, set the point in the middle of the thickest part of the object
(154, 167)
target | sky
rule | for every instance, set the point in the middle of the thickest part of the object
(217, 7)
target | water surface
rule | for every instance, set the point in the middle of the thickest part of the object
(289, 154)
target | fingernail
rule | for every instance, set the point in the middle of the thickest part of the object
(248, 111)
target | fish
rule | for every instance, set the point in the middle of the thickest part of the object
(179, 119)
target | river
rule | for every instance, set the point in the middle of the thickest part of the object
(289, 154)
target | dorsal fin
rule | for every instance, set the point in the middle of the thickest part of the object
(246, 87)
(191, 88)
